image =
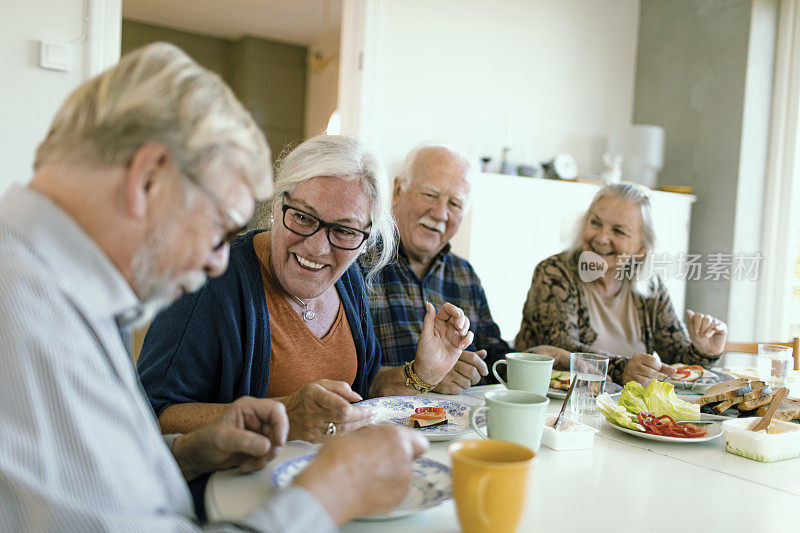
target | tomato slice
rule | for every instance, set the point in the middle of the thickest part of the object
(426, 416)
(432, 410)
(666, 426)
(687, 371)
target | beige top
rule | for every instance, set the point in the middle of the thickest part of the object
(298, 357)
(615, 320)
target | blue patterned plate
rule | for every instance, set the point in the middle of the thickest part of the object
(431, 484)
(396, 410)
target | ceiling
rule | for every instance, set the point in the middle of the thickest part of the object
(294, 21)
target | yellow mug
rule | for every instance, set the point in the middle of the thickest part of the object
(490, 484)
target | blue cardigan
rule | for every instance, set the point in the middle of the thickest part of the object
(213, 345)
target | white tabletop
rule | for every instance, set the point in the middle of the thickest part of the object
(623, 483)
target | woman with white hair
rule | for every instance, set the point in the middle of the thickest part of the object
(625, 312)
(289, 320)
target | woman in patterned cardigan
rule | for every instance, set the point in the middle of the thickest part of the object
(621, 312)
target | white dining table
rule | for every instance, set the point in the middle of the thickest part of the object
(623, 483)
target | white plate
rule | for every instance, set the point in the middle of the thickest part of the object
(701, 384)
(558, 394)
(713, 431)
(431, 484)
(396, 410)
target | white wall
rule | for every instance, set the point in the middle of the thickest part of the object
(743, 293)
(30, 95)
(321, 86)
(540, 75)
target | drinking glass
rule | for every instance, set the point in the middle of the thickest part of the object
(774, 362)
(588, 371)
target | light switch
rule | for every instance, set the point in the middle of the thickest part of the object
(55, 56)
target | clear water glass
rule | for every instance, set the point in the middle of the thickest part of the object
(774, 362)
(588, 371)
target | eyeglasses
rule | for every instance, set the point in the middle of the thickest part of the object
(302, 223)
(239, 222)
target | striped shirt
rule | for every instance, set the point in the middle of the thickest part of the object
(397, 303)
(80, 448)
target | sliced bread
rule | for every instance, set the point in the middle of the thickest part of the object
(754, 392)
(725, 391)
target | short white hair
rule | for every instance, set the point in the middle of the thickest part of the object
(159, 94)
(345, 158)
(406, 173)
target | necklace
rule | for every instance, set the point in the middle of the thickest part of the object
(308, 314)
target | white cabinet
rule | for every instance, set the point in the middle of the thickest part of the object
(515, 222)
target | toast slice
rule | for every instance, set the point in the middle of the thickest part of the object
(788, 410)
(725, 391)
(755, 392)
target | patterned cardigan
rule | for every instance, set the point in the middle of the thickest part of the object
(556, 313)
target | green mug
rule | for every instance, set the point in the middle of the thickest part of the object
(528, 372)
(513, 416)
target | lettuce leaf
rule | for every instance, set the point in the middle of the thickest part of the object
(660, 399)
(616, 414)
(632, 397)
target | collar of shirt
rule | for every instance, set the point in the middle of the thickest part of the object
(436, 262)
(75, 260)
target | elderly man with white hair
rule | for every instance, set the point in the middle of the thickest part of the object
(430, 198)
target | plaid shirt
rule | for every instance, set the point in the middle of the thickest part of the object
(397, 303)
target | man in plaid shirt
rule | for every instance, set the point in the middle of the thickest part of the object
(431, 196)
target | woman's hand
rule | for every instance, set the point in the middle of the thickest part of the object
(444, 335)
(315, 406)
(645, 368)
(708, 334)
(559, 355)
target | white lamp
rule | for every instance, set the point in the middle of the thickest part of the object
(642, 149)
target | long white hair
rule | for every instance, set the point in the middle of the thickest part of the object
(642, 270)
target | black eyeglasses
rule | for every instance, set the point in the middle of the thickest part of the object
(302, 223)
(237, 218)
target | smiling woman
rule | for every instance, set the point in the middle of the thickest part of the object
(619, 309)
(289, 319)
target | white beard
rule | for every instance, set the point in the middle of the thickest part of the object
(155, 287)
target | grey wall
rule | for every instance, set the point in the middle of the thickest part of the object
(267, 76)
(211, 52)
(690, 79)
(270, 79)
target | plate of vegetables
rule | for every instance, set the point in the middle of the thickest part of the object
(650, 413)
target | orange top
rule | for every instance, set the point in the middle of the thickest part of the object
(298, 356)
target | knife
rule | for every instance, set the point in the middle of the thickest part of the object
(707, 419)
